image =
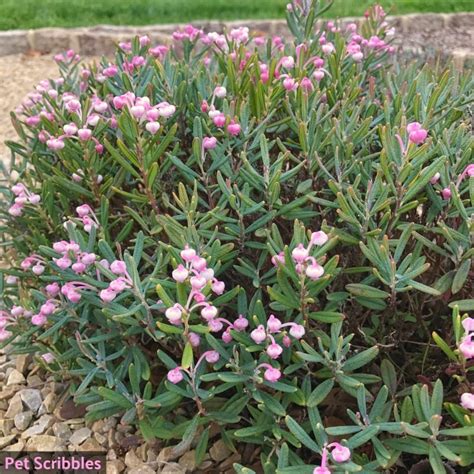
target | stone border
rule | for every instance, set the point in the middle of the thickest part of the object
(101, 39)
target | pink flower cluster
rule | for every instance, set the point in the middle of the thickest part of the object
(466, 347)
(339, 454)
(304, 262)
(87, 217)
(23, 197)
(176, 375)
(72, 257)
(274, 327)
(119, 268)
(141, 109)
(199, 277)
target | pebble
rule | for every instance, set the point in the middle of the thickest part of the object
(5, 440)
(132, 460)
(143, 469)
(62, 430)
(31, 398)
(49, 403)
(80, 436)
(43, 443)
(39, 427)
(219, 451)
(15, 378)
(6, 426)
(188, 461)
(23, 420)
(14, 407)
(115, 467)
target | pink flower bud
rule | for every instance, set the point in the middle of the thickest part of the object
(273, 324)
(107, 295)
(468, 324)
(435, 178)
(199, 263)
(175, 375)
(288, 62)
(328, 48)
(209, 312)
(233, 129)
(4, 334)
(321, 470)
(188, 253)
(118, 285)
(152, 127)
(83, 210)
(63, 262)
(467, 347)
(78, 267)
(110, 71)
(215, 325)
(297, 331)
(258, 335)
(220, 92)
(180, 274)
(88, 258)
(137, 111)
(446, 193)
(174, 314)
(314, 271)
(286, 341)
(212, 357)
(194, 339)
(34, 198)
(207, 273)
(84, 134)
(272, 374)
(55, 144)
(319, 238)
(290, 84)
(17, 311)
(167, 110)
(118, 267)
(38, 269)
(48, 357)
(318, 75)
(47, 308)
(218, 287)
(198, 282)
(241, 323)
(299, 254)
(467, 401)
(274, 350)
(227, 336)
(219, 120)
(340, 453)
(38, 319)
(52, 289)
(278, 259)
(209, 143)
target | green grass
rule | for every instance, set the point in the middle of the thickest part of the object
(68, 13)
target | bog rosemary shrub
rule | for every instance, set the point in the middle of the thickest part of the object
(269, 236)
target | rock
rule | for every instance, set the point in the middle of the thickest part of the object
(23, 420)
(6, 440)
(6, 426)
(229, 462)
(98, 426)
(143, 469)
(62, 430)
(15, 378)
(80, 436)
(115, 467)
(22, 362)
(49, 403)
(15, 448)
(188, 461)
(32, 399)
(91, 445)
(40, 426)
(219, 451)
(14, 407)
(7, 392)
(100, 438)
(172, 468)
(34, 381)
(70, 410)
(167, 454)
(132, 460)
(44, 443)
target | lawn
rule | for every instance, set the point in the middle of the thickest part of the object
(69, 13)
